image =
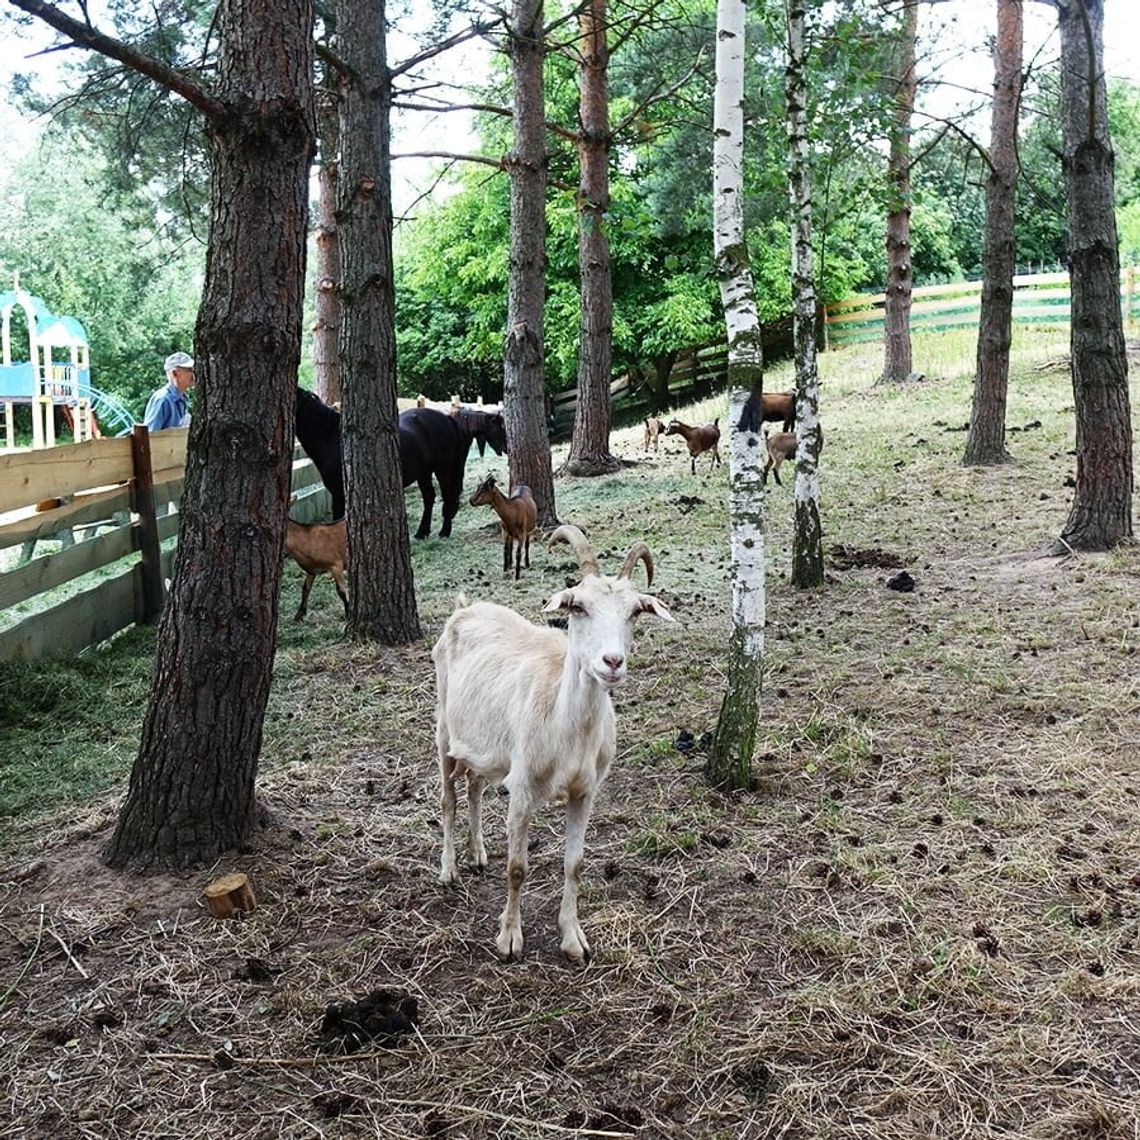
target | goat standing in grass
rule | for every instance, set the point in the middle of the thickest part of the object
(699, 440)
(781, 445)
(318, 548)
(529, 707)
(518, 516)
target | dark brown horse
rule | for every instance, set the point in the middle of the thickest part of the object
(432, 443)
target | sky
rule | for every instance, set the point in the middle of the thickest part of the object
(953, 32)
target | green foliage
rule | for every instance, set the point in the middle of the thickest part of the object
(95, 257)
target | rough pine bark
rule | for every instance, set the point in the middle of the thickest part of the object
(807, 544)
(590, 443)
(524, 385)
(326, 318)
(191, 793)
(730, 757)
(1101, 514)
(381, 589)
(897, 359)
(985, 443)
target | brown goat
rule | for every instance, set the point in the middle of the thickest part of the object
(653, 428)
(318, 548)
(518, 516)
(775, 406)
(780, 445)
(699, 440)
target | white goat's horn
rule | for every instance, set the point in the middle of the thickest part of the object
(581, 545)
(637, 551)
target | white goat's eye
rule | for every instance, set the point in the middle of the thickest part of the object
(575, 608)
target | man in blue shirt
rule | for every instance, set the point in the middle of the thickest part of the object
(169, 406)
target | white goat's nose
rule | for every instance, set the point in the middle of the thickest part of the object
(613, 660)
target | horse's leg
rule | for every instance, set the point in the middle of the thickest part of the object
(451, 488)
(428, 493)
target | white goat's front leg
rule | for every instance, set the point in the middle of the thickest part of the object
(447, 869)
(476, 851)
(574, 944)
(510, 941)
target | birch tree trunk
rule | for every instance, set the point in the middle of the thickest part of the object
(730, 759)
(590, 443)
(897, 360)
(381, 591)
(1101, 514)
(326, 317)
(807, 546)
(985, 443)
(524, 386)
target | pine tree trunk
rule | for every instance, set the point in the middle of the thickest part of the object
(1101, 514)
(524, 384)
(730, 758)
(897, 364)
(590, 444)
(326, 323)
(381, 591)
(985, 443)
(807, 545)
(191, 794)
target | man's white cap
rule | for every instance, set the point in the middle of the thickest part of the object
(178, 360)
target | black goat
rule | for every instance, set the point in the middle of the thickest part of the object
(431, 443)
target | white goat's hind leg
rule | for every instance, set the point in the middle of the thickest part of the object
(476, 852)
(574, 944)
(447, 869)
(510, 941)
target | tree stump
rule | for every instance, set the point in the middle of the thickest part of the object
(229, 894)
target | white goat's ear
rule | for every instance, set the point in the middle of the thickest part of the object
(650, 605)
(563, 600)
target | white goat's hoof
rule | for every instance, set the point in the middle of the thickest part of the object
(509, 945)
(575, 946)
(448, 877)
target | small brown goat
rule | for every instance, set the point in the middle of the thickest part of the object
(653, 428)
(518, 516)
(318, 548)
(699, 440)
(780, 445)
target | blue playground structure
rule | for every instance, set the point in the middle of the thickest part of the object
(57, 373)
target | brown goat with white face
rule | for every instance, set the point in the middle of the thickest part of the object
(529, 707)
(699, 440)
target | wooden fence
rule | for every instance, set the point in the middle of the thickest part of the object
(111, 503)
(1041, 298)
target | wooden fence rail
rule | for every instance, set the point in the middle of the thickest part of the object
(1041, 298)
(111, 503)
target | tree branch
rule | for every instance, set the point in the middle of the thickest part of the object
(84, 35)
(950, 125)
(455, 40)
(657, 97)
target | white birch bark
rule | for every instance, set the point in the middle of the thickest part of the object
(731, 760)
(807, 558)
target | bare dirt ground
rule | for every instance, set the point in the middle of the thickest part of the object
(924, 921)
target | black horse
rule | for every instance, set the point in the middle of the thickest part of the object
(431, 443)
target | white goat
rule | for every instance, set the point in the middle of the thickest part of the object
(529, 707)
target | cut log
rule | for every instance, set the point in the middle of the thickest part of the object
(229, 894)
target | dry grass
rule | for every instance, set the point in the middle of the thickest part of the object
(922, 923)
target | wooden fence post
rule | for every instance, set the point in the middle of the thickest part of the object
(142, 502)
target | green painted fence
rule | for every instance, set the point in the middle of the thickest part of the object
(1041, 298)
